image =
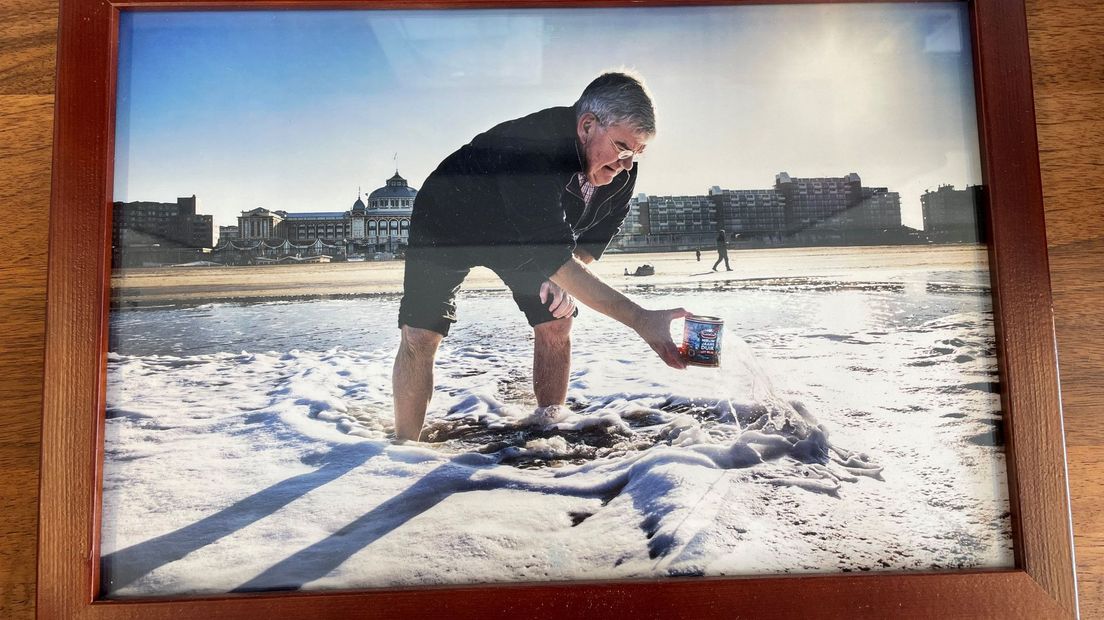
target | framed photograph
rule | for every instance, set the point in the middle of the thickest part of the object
(562, 309)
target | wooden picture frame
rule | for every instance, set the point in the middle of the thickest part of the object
(1040, 586)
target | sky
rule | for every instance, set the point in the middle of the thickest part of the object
(301, 110)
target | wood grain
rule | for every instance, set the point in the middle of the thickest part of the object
(28, 29)
(1068, 76)
(1068, 73)
(25, 134)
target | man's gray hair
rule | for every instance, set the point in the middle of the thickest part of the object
(619, 98)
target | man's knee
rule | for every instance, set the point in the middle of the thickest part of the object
(554, 332)
(418, 342)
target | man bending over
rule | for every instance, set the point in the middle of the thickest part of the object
(535, 200)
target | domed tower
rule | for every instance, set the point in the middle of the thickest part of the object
(395, 195)
(359, 228)
(388, 214)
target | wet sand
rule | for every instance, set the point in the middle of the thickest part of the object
(167, 285)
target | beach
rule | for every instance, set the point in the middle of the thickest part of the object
(854, 425)
(167, 285)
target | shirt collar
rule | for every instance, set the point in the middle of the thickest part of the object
(585, 188)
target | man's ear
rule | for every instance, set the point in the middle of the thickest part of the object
(586, 123)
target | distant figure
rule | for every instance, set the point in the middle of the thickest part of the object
(722, 251)
(697, 253)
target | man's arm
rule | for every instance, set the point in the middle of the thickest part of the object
(654, 326)
(560, 302)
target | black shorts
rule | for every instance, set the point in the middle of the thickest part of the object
(433, 276)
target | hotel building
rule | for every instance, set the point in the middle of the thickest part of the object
(795, 211)
(146, 232)
(382, 225)
(954, 215)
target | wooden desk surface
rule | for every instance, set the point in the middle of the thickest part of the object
(1067, 45)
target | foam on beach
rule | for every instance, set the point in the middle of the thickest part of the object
(827, 441)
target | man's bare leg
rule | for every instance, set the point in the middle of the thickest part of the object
(551, 361)
(412, 380)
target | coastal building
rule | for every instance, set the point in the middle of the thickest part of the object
(680, 214)
(227, 232)
(171, 223)
(954, 215)
(811, 202)
(380, 226)
(879, 209)
(307, 227)
(148, 233)
(385, 220)
(260, 223)
(750, 213)
(667, 222)
(796, 211)
(636, 221)
(838, 210)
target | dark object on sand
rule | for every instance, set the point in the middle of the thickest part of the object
(643, 270)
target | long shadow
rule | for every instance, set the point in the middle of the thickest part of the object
(319, 559)
(125, 566)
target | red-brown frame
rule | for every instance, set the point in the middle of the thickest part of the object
(1041, 585)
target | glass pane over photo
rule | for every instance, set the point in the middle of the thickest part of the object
(291, 185)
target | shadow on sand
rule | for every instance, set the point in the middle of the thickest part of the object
(125, 566)
(321, 558)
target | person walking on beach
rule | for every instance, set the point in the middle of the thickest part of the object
(535, 199)
(722, 251)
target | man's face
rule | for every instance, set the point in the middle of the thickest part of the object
(602, 147)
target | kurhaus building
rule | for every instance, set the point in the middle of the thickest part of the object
(380, 225)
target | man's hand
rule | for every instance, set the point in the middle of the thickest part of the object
(560, 304)
(654, 326)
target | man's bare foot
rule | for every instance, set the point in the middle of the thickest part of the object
(547, 416)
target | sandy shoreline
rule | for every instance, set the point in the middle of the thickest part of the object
(187, 285)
